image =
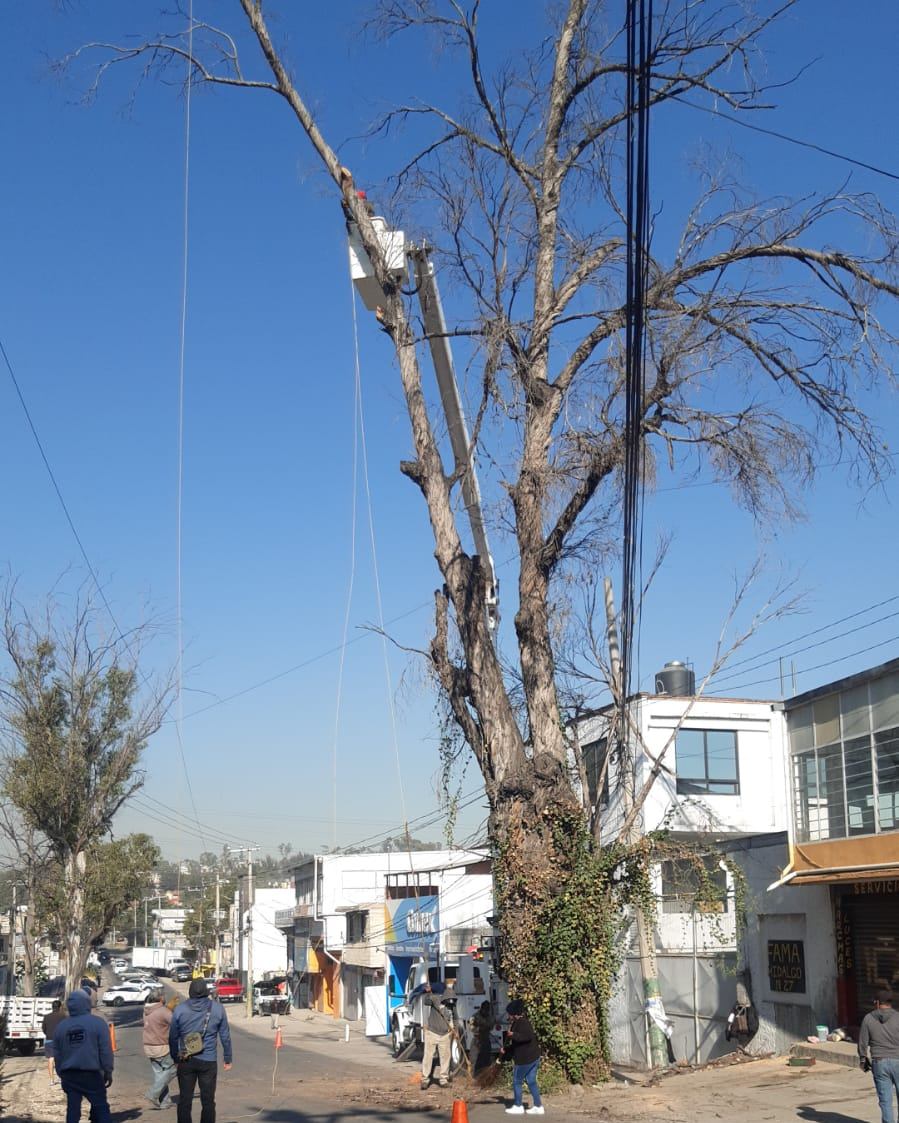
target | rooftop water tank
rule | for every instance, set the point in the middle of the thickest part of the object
(676, 678)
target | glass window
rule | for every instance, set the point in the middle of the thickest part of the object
(831, 805)
(887, 747)
(800, 725)
(885, 701)
(594, 757)
(856, 712)
(859, 785)
(706, 762)
(681, 881)
(827, 719)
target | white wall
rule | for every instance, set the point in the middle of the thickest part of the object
(788, 913)
(269, 944)
(761, 805)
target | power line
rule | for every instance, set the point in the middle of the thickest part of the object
(816, 667)
(789, 139)
(821, 643)
(59, 495)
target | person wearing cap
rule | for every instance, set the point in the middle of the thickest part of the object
(199, 1014)
(437, 1018)
(157, 1019)
(878, 1039)
(84, 1062)
(522, 1046)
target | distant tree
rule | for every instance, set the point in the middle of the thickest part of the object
(75, 720)
(31, 870)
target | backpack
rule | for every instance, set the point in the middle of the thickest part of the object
(742, 1022)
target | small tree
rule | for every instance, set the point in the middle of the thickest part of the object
(76, 720)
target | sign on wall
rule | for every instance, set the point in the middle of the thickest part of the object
(412, 926)
(786, 966)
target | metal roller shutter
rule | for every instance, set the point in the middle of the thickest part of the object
(875, 935)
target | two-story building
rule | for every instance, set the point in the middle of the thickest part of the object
(722, 784)
(834, 911)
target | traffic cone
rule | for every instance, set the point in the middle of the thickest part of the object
(460, 1112)
(112, 1036)
(279, 1041)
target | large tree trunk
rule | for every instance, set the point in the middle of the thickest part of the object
(29, 941)
(75, 953)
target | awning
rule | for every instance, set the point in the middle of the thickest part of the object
(882, 871)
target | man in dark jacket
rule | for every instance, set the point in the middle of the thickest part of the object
(199, 1015)
(879, 1036)
(48, 1026)
(521, 1045)
(84, 1060)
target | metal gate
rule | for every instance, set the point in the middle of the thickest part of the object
(875, 936)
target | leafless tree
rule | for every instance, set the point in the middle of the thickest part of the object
(760, 334)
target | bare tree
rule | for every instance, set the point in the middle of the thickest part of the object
(759, 334)
(75, 719)
(30, 866)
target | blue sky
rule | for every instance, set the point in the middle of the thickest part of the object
(90, 300)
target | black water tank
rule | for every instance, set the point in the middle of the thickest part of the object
(676, 678)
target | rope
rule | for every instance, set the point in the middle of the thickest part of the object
(357, 406)
(179, 673)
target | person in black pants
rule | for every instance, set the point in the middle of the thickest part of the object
(522, 1046)
(84, 1060)
(207, 1018)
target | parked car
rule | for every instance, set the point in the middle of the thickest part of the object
(120, 964)
(138, 977)
(228, 990)
(182, 972)
(128, 993)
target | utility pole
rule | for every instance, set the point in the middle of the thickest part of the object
(652, 999)
(249, 851)
(218, 938)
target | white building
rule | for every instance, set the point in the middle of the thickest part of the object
(723, 780)
(259, 937)
(342, 924)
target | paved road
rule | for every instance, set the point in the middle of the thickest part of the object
(246, 1092)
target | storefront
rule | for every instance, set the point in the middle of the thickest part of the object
(866, 916)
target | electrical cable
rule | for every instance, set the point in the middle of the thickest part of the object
(808, 647)
(59, 495)
(179, 613)
(816, 667)
(786, 137)
(637, 218)
(363, 444)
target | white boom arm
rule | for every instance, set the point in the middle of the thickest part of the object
(442, 356)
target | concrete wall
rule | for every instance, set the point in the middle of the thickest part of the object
(269, 945)
(801, 913)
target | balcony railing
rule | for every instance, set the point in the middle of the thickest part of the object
(284, 918)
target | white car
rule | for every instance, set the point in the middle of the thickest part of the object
(121, 964)
(128, 992)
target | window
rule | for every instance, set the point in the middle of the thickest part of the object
(707, 762)
(681, 881)
(356, 927)
(594, 757)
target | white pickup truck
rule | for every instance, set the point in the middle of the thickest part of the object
(22, 1019)
(473, 985)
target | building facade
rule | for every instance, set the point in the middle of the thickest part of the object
(843, 868)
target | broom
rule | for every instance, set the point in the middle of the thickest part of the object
(487, 1077)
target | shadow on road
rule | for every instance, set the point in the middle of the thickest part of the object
(813, 1115)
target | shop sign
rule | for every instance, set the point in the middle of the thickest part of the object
(786, 966)
(412, 926)
(843, 925)
(863, 888)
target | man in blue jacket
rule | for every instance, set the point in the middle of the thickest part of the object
(198, 1015)
(84, 1059)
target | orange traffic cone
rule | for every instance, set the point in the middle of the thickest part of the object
(279, 1041)
(460, 1112)
(112, 1036)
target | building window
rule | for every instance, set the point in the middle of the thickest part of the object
(594, 758)
(845, 750)
(706, 762)
(356, 927)
(682, 880)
